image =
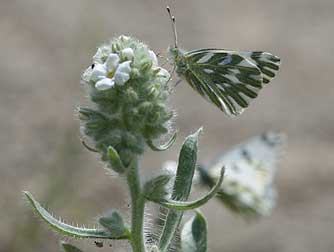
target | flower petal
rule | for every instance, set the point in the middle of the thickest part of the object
(112, 62)
(153, 58)
(97, 57)
(122, 74)
(121, 78)
(104, 84)
(101, 54)
(99, 72)
(124, 67)
(128, 53)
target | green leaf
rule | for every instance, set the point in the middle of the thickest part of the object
(69, 247)
(181, 188)
(114, 223)
(194, 234)
(155, 189)
(186, 167)
(115, 160)
(189, 205)
(66, 229)
(163, 147)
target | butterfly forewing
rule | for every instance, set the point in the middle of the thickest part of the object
(266, 62)
(228, 79)
(266, 149)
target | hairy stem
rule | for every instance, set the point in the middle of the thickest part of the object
(137, 207)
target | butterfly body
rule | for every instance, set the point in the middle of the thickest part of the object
(228, 79)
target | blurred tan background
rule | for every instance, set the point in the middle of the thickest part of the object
(44, 47)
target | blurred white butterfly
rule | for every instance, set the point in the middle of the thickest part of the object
(227, 78)
(248, 182)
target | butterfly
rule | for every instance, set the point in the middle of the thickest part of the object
(228, 79)
(250, 167)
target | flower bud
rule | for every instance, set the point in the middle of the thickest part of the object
(128, 53)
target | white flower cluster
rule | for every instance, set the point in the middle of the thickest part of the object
(116, 68)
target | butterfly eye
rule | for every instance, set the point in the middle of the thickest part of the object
(92, 66)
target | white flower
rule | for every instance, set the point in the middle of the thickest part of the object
(153, 58)
(99, 72)
(104, 84)
(112, 62)
(163, 72)
(106, 75)
(128, 53)
(122, 73)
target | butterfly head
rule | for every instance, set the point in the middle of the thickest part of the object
(175, 53)
(177, 56)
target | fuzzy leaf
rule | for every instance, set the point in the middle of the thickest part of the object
(114, 224)
(194, 234)
(189, 205)
(69, 247)
(66, 229)
(155, 189)
(181, 188)
(163, 147)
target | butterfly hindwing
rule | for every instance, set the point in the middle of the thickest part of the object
(228, 79)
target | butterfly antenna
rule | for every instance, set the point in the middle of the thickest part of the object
(172, 18)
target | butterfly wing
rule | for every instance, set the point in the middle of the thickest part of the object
(265, 148)
(266, 62)
(250, 167)
(228, 79)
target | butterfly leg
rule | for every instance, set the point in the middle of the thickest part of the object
(177, 82)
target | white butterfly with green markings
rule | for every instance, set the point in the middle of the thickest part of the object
(250, 167)
(229, 79)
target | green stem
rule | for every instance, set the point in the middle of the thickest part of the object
(137, 207)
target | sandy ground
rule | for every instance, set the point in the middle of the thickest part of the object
(44, 47)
